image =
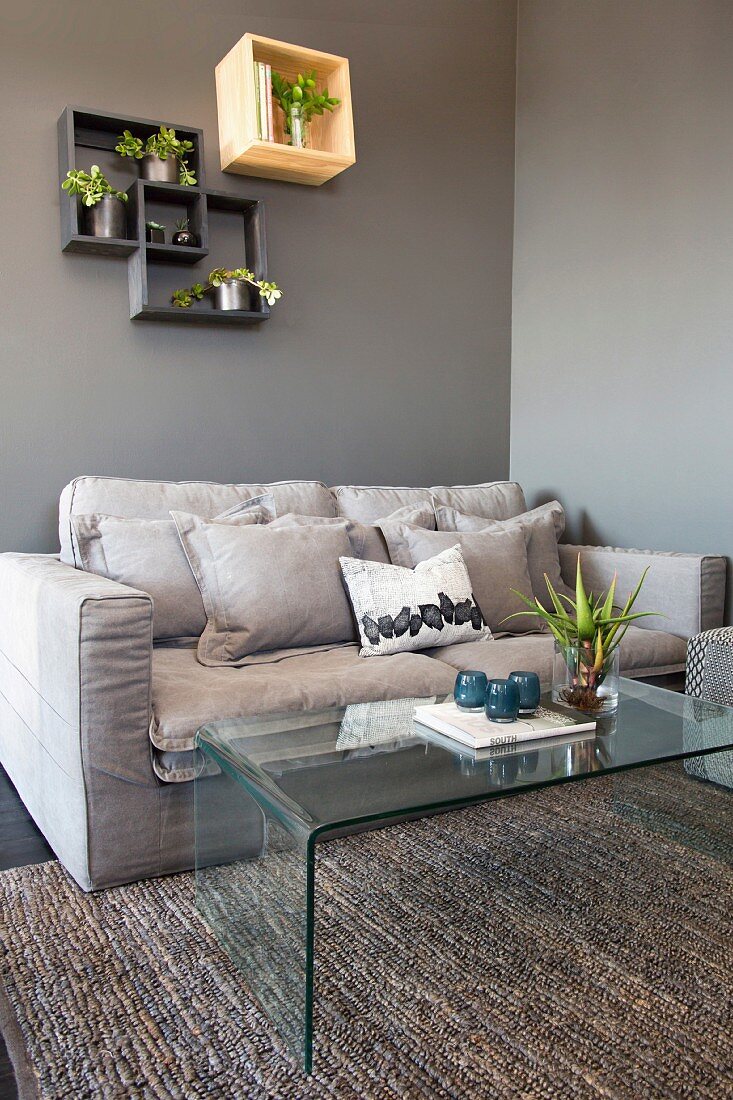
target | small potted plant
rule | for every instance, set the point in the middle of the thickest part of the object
(162, 157)
(299, 101)
(183, 235)
(154, 233)
(588, 632)
(231, 289)
(103, 206)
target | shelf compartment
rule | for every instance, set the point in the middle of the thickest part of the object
(252, 216)
(99, 246)
(174, 253)
(192, 199)
(332, 134)
(193, 316)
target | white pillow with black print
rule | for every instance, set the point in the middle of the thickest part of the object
(401, 610)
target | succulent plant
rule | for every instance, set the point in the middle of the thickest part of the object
(164, 144)
(91, 186)
(302, 92)
(185, 297)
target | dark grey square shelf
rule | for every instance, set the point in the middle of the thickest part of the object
(80, 127)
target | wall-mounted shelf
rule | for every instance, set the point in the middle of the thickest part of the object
(80, 128)
(332, 134)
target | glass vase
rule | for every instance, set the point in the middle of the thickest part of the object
(578, 684)
(299, 136)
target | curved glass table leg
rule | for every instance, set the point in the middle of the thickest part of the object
(257, 898)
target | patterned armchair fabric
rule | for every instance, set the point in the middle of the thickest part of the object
(709, 675)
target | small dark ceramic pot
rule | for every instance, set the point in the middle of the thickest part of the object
(529, 691)
(470, 690)
(107, 218)
(502, 701)
(162, 171)
(184, 237)
(155, 236)
(233, 294)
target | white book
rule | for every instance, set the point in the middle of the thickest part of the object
(473, 728)
(256, 72)
(498, 752)
(263, 99)
(270, 120)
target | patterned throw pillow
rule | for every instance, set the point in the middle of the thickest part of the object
(400, 610)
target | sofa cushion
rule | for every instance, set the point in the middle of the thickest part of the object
(401, 610)
(542, 528)
(496, 560)
(147, 554)
(186, 694)
(643, 653)
(494, 500)
(367, 539)
(264, 588)
(117, 496)
(369, 503)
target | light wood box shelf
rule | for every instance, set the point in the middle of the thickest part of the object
(332, 134)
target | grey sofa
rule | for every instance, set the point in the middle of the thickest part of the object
(97, 718)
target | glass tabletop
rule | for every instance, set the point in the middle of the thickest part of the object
(372, 761)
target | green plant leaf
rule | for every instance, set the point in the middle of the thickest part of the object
(586, 626)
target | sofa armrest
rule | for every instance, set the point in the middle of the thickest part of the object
(687, 589)
(75, 660)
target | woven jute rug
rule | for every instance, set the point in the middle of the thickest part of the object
(576, 942)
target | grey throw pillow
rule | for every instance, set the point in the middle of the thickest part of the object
(147, 554)
(401, 610)
(367, 539)
(496, 560)
(267, 588)
(542, 528)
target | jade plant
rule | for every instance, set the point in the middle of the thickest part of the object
(91, 186)
(301, 93)
(187, 295)
(164, 144)
(588, 631)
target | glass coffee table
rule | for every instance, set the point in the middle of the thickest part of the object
(269, 789)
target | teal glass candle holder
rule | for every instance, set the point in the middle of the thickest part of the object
(470, 690)
(529, 691)
(502, 701)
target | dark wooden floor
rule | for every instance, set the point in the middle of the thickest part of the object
(20, 844)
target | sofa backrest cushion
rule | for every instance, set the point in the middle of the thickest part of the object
(267, 588)
(147, 554)
(116, 496)
(496, 559)
(369, 503)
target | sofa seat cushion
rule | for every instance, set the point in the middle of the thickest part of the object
(643, 653)
(186, 694)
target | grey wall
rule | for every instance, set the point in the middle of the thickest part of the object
(388, 359)
(622, 379)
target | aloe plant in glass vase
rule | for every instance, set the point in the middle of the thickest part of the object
(588, 632)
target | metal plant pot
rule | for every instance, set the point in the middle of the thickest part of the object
(185, 237)
(107, 218)
(162, 171)
(233, 294)
(154, 236)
